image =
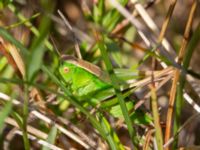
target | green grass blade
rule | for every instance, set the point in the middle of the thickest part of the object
(18, 118)
(191, 47)
(114, 81)
(112, 137)
(51, 137)
(37, 48)
(4, 113)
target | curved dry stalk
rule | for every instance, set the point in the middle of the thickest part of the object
(9, 137)
(15, 130)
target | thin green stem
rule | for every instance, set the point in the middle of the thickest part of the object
(21, 22)
(158, 131)
(186, 61)
(25, 116)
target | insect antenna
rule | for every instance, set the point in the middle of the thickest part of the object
(66, 22)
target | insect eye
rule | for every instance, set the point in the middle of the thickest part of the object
(66, 69)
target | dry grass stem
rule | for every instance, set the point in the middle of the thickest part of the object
(177, 72)
(47, 120)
